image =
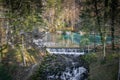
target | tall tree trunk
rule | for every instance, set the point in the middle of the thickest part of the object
(103, 38)
(94, 42)
(112, 36)
(0, 54)
(104, 47)
(99, 25)
(98, 18)
(113, 12)
(23, 52)
(88, 48)
(105, 27)
(0, 43)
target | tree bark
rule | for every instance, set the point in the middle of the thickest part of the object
(113, 37)
(94, 42)
(113, 11)
(104, 49)
(0, 54)
(23, 53)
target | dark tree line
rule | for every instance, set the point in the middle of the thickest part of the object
(103, 16)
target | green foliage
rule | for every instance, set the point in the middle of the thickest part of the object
(85, 41)
(52, 64)
(23, 15)
(110, 57)
(103, 61)
(51, 3)
(4, 74)
(90, 58)
(105, 71)
(54, 3)
(113, 56)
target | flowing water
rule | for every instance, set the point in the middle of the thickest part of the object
(67, 65)
(79, 73)
(74, 69)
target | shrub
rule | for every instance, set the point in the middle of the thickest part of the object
(90, 58)
(50, 65)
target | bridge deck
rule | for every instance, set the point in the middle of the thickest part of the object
(74, 51)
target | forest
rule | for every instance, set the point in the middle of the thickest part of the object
(59, 39)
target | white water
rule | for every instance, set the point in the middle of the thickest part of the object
(65, 51)
(40, 43)
(75, 73)
(68, 74)
(71, 72)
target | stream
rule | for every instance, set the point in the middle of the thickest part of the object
(62, 67)
(62, 64)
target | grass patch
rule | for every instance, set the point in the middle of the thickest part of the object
(106, 71)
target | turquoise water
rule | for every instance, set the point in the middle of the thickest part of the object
(76, 37)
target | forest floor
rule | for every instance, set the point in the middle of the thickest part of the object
(99, 70)
(107, 70)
